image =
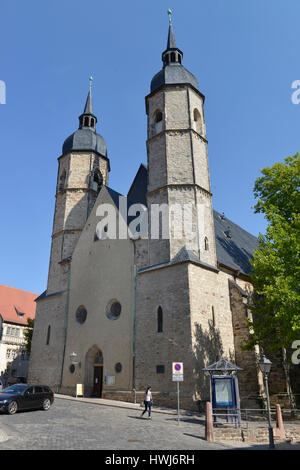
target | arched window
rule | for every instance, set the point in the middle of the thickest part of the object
(206, 244)
(158, 116)
(97, 180)
(159, 320)
(197, 121)
(173, 57)
(48, 335)
(156, 123)
(86, 121)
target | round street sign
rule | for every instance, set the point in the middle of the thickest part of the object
(177, 368)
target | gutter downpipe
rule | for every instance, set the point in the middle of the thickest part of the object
(134, 331)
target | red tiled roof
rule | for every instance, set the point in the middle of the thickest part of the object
(16, 305)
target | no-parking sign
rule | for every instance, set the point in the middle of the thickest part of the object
(177, 371)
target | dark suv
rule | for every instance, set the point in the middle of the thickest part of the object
(25, 397)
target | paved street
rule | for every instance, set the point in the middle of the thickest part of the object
(77, 425)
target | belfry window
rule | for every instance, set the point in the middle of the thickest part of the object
(62, 181)
(86, 121)
(197, 120)
(158, 116)
(173, 57)
(206, 244)
(97, 181)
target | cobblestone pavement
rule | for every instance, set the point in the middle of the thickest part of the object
(84, 426)
(77, 425)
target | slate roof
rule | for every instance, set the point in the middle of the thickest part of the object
(173, 72)
(85, 138)
(236, 251)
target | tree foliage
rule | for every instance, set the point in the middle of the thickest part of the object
(276, 264)
(28, 331)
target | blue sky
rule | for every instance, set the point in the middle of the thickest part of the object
(244, 54)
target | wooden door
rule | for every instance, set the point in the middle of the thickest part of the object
(98, 378)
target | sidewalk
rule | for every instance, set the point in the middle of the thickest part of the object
(124, 404)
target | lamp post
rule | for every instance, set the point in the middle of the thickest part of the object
(73, 358)
(265, 367)
(74, 362)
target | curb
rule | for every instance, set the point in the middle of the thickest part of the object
(122, 404)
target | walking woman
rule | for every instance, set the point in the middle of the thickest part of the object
(147, 402)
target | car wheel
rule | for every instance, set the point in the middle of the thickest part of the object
(46, 404)
(12, 408)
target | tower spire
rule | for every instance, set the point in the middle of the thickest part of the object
(88, 119)
(172, 54)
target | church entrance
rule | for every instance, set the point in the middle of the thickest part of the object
(94, 372)
(98, 380)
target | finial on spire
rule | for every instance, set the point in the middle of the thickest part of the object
(91, 80)
(170, 15)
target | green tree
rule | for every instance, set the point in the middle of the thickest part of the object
(276, 265)
(28, 331)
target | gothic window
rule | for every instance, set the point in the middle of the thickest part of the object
(206, 244)
(197, 121)
(159, 320)
(48, 335)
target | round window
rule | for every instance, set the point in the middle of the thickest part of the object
(81, 314)
(118, 367)
(72, 368)
(113, 310)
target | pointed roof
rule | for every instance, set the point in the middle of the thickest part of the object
(171, 44)
(222, 366)
(88, 109)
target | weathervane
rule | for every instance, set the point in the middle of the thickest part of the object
(91, 79)
(170, 15)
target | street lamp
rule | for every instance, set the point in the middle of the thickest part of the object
(73, 358)
(265, 367)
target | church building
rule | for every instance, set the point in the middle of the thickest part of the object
(121, 307)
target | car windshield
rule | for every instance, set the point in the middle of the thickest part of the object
(15, 389)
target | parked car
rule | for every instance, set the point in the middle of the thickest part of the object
(25, 397)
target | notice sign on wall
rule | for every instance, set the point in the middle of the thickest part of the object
(79, 390)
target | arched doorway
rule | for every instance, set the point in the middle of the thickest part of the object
(94, 372)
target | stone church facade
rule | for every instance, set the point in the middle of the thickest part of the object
(130, 306)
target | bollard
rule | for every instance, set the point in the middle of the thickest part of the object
(280, 432)
(209, 429)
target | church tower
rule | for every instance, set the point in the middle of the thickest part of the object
(177, 161)
(177, 292)
(83, 168)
